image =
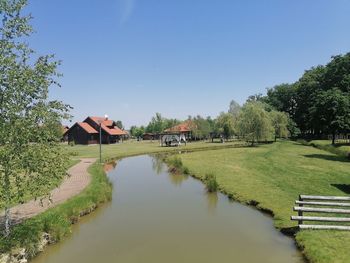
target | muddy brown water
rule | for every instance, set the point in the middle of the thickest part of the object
(157, 217)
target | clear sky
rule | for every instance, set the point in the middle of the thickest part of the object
(132, 58)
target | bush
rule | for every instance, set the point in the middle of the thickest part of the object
(212, 184)
(71, 143)
(176, 162)
(185, 170)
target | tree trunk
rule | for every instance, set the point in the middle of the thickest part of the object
(7, 222)
(333, 138)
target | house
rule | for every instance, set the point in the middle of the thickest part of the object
(92, 128)
(177, 134)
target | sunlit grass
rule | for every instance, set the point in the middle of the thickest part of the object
(273, 176)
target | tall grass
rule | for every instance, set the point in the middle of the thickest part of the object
(211, 183)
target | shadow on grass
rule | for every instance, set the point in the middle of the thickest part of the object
(328, 157)
(342, 187)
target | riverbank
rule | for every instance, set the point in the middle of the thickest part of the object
(271, 177)
(54, 224)
(30, 237)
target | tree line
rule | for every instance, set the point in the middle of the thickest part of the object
(319, 102)
(254, 121)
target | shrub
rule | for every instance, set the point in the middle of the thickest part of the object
(176, 162)
(185, 170)
(212, 184)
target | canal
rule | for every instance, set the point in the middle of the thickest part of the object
(158, 217)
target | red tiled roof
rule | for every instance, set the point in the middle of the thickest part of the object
(104, 121)
(186, 126)
(113, 130)
(87, 127)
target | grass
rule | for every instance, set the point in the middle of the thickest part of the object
(272, 176)
(57, 221)
(132, 147)
(341, 149)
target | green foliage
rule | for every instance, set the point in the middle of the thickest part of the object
(234, 108)
(57, 221)
(30, 155)
(254, 122)
(211, 183)
(119, 124)
(158, 124)
(202, 127)
(137, 131)
(280, 121)
(318, 102)
(225, 125)
(332, 108)
(176, 162)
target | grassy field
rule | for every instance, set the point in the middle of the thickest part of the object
(132, 147)
(272, 176)
(339, 148)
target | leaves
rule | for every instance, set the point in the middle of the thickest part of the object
(31, 159)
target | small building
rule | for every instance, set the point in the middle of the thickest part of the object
(177, 134)
(150, 136)
(88, 131)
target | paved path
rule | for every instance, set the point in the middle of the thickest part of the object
(72, 185)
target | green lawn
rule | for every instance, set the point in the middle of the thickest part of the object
(274, 175)
(132, 147)
(338, 148)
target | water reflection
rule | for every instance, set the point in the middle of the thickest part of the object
(107, 167)
(212, 201)
(177, 179)
(158, 164)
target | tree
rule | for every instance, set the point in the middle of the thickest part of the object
(234, 108)
(30, 154)
(119, 124)
(202, 127)
(280, 121)
(332, 107)
(137, 131)
(225, 125)
(254, 122)
(283, 98)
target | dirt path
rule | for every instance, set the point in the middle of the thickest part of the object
(72, 185)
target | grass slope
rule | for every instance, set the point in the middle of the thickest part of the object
(273, 176)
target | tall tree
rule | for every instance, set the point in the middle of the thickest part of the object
(225, 125)
(254, 122)
(234, 108)
(30, 154)
(280, 122)
(332, 108)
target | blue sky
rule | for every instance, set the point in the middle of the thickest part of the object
(132, 58)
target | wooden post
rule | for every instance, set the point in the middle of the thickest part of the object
(300, 213)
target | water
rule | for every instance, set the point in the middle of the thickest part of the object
(157, 217)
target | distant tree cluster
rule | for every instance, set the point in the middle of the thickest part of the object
(254, 121)
(319, 102)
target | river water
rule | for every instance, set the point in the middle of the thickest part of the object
(157, 217)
